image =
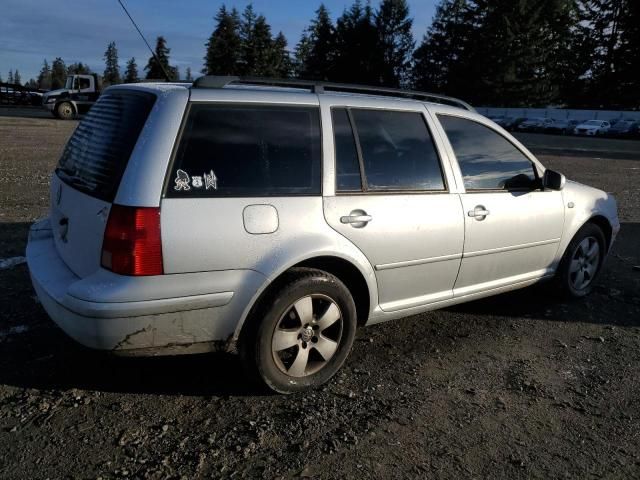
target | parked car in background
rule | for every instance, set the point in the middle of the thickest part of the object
(625, 129)
(562, 127)
(592, 128)
(538, 124)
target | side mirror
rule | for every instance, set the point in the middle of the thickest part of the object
(553, 180)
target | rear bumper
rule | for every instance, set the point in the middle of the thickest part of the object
(114, 312)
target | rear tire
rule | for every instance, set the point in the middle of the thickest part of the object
(300, 333)
(582, 262)
(64, 111)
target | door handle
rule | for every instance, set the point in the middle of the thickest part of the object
(357, 218)
(479, 212)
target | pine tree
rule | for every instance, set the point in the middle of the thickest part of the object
(78, 68)
(224, 45)
(356, 45)
(58, 73)
(111, 75)
(154, 67)
(131, 72)
(316, 51)
(395, 42)
(16, 78)
(31, 83)
(301, 55)
(439, 63)
(282, 65)
(44, 77)
(629, 58)
(10, 77)
(188, 77)
(256, 51)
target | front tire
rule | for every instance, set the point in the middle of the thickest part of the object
(582, 261)
(65, 111)
(301, 333)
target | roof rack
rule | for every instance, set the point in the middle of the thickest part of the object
(214, 81)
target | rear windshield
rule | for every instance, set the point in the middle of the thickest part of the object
(248, 151)
(97, 153)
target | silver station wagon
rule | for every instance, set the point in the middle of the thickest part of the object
(272, 218)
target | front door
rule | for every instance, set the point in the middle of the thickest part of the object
(512, 226)
(393, 202)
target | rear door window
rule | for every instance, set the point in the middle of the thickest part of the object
(97, 153)
(398, 152)
(248, 151)
(347, 163)
(487, 160)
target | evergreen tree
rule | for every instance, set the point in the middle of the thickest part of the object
(31, 83)
(1, 78)
(224, 48)
(131, 72)
(111, 75)
(10, 77)
(628, 81)
(396, 42)
(356, 55)
(301, 55)
(16, 78)
(282, 65)
(44, 77)
(440, 61)
(154, 67)
(188, 77)
(58, 73)
(78, 68)
(316, 50)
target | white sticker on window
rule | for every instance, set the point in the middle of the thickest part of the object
(182, 181)
(210, 180)
(196, 181)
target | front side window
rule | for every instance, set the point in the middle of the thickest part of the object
(398, 152)
(487, 160)
(236, 150)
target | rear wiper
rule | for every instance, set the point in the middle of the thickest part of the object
(72, 178)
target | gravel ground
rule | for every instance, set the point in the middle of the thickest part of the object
(521, 385)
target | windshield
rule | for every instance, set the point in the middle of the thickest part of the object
(69, 83)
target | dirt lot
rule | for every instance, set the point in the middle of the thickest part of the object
(517, 386)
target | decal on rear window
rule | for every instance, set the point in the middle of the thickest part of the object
(210, 180)
(182, 181)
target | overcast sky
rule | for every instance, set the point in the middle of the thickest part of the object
(31, 30)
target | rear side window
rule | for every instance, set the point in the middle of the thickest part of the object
(97, 153)
(235, 150)
(398, 152)
(347, 163)
(487, 160)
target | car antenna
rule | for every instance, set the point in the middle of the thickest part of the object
(166, 75)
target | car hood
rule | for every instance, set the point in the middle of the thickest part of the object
(588, 127)
(55, 93)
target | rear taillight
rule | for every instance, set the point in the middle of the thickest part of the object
(132, 244)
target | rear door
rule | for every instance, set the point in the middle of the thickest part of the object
(512, 226)
(391, 195)
(89, 172)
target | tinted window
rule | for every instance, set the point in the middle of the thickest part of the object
(248, 151)
(347, 164)
(487, 159)
(397, 151)
(97, 153)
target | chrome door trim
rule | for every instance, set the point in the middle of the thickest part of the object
(420, 261)
(509, 248)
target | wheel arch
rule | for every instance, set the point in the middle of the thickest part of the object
(603, 223)
(346, 269)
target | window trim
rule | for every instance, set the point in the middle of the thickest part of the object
(534, 164)
(363, 177)
(183, 124)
